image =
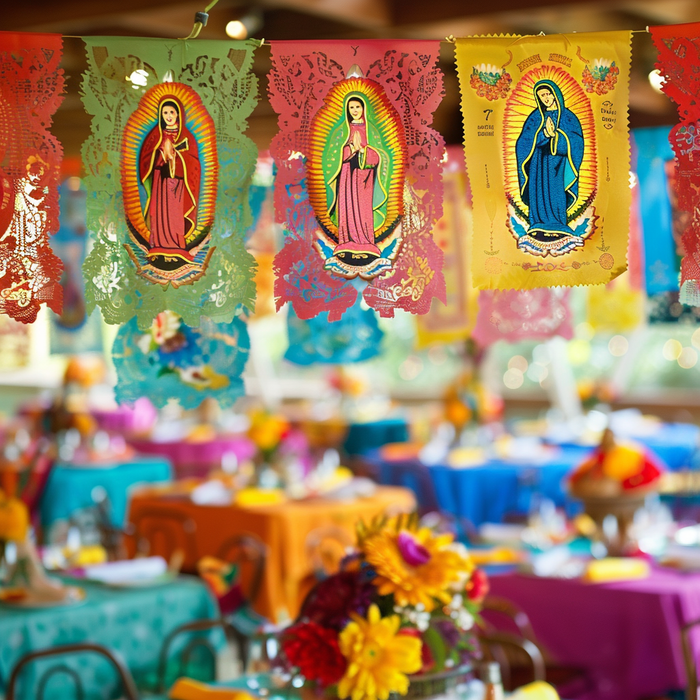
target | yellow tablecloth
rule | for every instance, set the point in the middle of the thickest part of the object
(201, 530)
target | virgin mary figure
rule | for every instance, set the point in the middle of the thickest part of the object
(169, 170)
(549, 152)
(358, 192)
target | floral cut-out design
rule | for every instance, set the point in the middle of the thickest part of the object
(31, 84)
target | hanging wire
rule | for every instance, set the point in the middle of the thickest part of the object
(200, 21)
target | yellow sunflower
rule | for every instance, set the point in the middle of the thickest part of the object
(378, 657)
(417, 567)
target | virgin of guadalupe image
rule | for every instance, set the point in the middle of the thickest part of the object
(358, 190)
(355, 177)
(549, 152)
(169, 170)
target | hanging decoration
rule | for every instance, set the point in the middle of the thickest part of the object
(172, 360)
(354, 338)
(358, 186)
(514, 315)
(656, 172)
(619, 306)
(546, 142)
(169, 170)
(73, 331)
(679, 53)
(31, 84)
(454, 320)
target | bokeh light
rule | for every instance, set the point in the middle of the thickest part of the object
(513, 378)
(618, 345)
(672, 349)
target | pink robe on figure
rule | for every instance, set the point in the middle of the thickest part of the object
(355, 195)
(172, 206)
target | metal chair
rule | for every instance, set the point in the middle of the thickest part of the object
(177, 530)
(197, 641)
(128, 685)
(691, 671)
(567, 679)
(496, 646)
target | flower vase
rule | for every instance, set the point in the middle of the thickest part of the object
(432, 685)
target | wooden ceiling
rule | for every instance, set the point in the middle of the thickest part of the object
(337, 19)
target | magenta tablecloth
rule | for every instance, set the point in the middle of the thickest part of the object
(626, 635)
(197, 459)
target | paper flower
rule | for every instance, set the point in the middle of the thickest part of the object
(418, 568)
(315, 652)
(379, 657)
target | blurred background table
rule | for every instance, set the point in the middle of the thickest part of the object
(365, 437)
(490, 489)
(626, 634)
(166, 522)
(132, 622)
(69, 487)
(190, 458)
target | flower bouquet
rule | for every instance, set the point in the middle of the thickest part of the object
(400, 612)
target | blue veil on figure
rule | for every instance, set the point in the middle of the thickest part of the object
(548, 165)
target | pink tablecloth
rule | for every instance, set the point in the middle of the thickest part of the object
(197, 459)
(627, 634)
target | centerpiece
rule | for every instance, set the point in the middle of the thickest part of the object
(615, 480)
(397, 618)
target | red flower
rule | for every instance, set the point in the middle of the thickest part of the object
(477, 586)
(332, 600)
(314, 651)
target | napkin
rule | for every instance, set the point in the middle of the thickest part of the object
(187, 689)
(616, 569)
(127, 571)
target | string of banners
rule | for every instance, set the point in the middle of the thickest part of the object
(358, 184)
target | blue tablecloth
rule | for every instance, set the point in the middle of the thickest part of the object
(69, 489)
(131, 622)
(675, 444)
(365, 437)
(496, 489)
(484, 493)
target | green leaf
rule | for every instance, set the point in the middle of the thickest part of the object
(437, 647)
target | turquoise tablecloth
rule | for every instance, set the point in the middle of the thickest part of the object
(364, 437)
(69, 489)
(132, 622)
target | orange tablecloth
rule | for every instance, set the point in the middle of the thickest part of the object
(202, 529)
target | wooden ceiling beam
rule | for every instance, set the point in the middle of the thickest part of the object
(421, 12)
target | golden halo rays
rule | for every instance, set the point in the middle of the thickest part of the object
(140, 123)
(521, 104)
(387, 121)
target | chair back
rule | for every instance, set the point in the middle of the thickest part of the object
(326, 547)
(249, 553)
(503, 647)
(164, 531)
(516, 616)
(128, 685)
(197, 640)
(691, 671)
